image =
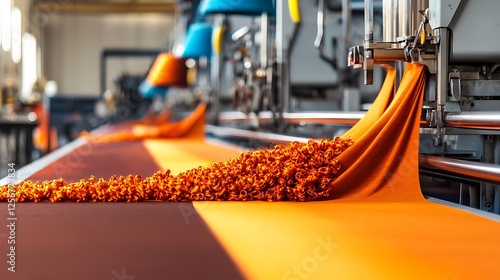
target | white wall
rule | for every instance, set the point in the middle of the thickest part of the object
(8, 69)
(74, 43)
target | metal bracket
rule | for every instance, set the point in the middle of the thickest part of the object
(455, 85)
(355, 57)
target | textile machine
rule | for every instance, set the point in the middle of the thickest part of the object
(277, 69)
(460, 117)
(299, 82)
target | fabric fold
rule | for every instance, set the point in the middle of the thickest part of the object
(191, 126)
(384, 158)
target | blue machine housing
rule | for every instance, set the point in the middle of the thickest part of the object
(198, 41)
(238, 7)
(148, 91)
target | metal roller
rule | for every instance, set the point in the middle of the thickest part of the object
(255, 135)
(474, 170)
(339, 118)
(477, 120)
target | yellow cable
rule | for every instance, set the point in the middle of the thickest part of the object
(293, 8)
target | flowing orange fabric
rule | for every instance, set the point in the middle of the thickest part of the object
(385, 156)
(124, 127)
(160, 118)
(191, 126)
(378, 108)
(42, 132)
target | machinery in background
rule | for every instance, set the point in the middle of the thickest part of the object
(67, 116)
(241, 56)
(285, 70)
(128, 102)
(311, 53)
(316, 88)
(460, 139)
(311, 92)
(17, 121)
(124, 101)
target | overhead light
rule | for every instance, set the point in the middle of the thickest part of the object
(6, 23)
(16, 35)
(190, 63)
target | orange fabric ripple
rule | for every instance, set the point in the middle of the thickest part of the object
(384, 160)
(157, 127)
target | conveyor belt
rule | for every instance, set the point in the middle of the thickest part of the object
(113, 240)
(101, 160)
(97, 240)
(346, 239)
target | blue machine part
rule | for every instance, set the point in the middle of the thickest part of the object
(238, 7)
(198, 41)
(148, 91)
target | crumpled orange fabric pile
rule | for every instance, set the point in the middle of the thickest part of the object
(294, 172)
(377, 156)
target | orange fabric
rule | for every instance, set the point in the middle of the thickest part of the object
(41, 133)
(191, 126)
(181, 154)
(159, 118)
(168, 70)
(152, 119)
(354, 239)
(295, 172)
(384, 160)
(378, 108)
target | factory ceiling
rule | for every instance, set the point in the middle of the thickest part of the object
(107, 6)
